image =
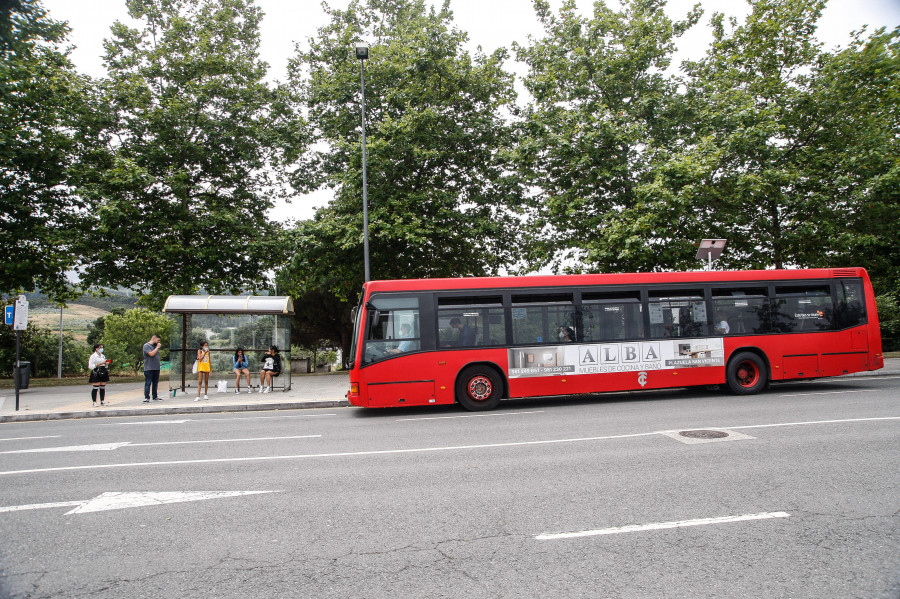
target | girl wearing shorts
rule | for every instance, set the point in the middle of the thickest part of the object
(203, 370)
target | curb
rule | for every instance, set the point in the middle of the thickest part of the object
(300, 405)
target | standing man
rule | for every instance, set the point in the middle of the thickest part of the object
(151, 368)
(466, 333)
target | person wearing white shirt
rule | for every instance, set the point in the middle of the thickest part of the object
(97, 365)
(722, 327)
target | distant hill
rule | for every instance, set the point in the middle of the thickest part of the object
(115, 299)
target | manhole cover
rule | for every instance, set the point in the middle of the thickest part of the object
(703, 434)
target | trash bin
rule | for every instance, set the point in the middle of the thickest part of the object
(22, 374)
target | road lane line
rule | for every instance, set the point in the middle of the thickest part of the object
(120, 444)
(843, 421)
(184, 420)
(660, 526)
(825, 392)
(469, 416)
(324, 455)
(144, 422)
(404, 451)
(223, 440)
(24, 438)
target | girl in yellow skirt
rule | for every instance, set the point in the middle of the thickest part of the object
(203, 370)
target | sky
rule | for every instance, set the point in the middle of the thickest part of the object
(490, 24)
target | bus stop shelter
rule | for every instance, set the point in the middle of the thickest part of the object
(228, 322)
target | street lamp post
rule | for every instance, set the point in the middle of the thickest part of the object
(362, 53)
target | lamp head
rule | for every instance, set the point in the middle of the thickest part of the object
(362, 50)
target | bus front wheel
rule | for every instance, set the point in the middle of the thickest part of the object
(746, 374)
(479, 388)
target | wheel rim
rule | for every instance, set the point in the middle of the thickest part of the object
(747, 374)
(480, 388)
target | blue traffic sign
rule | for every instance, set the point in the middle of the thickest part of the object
(10, 313)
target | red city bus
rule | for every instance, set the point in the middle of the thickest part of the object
(474, 341)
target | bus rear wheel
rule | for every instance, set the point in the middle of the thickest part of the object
(478, 388)
(746, 374)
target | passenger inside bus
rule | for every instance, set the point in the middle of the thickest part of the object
(466, 333)
(722, 327)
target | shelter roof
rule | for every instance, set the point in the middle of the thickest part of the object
(228, 304)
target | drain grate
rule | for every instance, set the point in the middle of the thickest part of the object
(702, 434)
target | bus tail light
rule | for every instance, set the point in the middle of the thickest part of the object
(354, 388)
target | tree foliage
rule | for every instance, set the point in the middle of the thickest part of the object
(442, 197)
(182, 204)
(124, 336)
(40, 347)
(441, 200)
(45, 132)
(604, 115)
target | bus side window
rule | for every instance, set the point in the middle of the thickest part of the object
(850, 310)
(745, 310)
(803, 308)
(611, 316)
(677, 313)
(471, 321)
(541, 318)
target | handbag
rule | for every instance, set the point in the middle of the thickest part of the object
(194, 367)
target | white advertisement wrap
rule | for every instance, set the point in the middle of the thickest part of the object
(571, 359)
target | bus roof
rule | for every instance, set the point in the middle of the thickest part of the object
(644, 278)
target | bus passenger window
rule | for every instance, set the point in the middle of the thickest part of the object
(544, 319)
(803, 308)
(612, 316)
(677, 313)
(471, 321)
(745, 310)
(850, 310)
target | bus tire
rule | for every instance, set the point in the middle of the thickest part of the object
(479, 388)
(746, 374)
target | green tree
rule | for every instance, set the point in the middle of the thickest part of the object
(442, 200)
(604, 116)
(40, 347)
(45, 133)
(793, 157)
(183, 202)
(851, 165)
(124, 336)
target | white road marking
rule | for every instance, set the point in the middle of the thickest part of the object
(111, 446)
(403, 451)
(184, 420)
(118, 500)
(95, 447)
(144, 422)
(825, 393)
(259, 417)
(660, 526)
(39, 506)
(324, 455)
(843, 421)
(24, 438)
(224, 440)
(469, 416)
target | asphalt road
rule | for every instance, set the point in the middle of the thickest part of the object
(577, 497)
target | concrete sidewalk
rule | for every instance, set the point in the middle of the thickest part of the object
(126, 399)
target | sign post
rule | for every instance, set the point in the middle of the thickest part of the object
(20, 323)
